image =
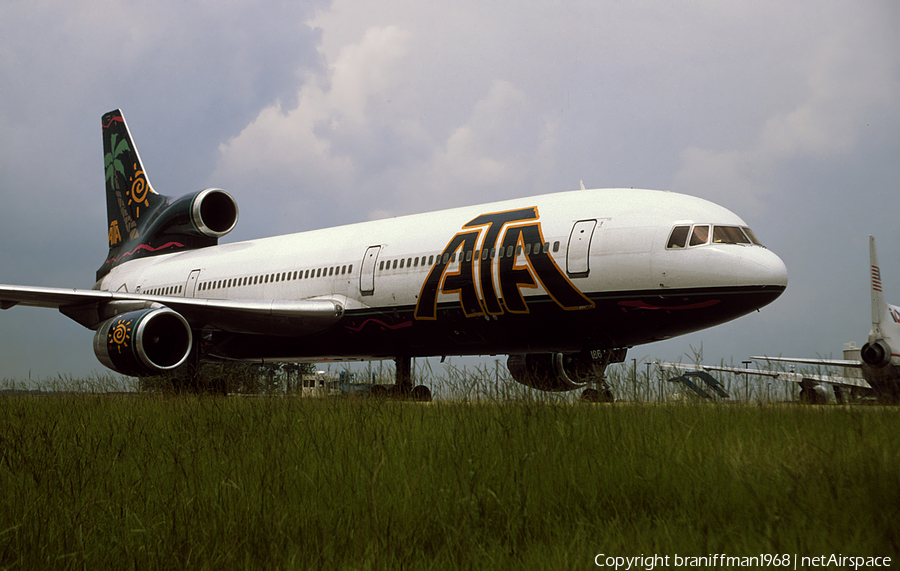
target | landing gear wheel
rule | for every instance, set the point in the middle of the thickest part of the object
(421, 393)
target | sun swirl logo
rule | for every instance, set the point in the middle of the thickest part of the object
(120, 335)
(139, 190)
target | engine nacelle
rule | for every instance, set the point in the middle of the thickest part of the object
(561, 372)
(214, 212)
(200, 218)
(877, 354)
(812, 392)
(144, 342)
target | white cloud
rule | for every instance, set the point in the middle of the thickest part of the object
(353, 137)
(849, 84)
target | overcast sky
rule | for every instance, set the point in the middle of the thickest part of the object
(321, 113)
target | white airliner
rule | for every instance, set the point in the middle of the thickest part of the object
(879, 357)
(563, 283)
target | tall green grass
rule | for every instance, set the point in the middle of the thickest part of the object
(94, 481)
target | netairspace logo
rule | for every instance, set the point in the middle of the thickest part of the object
(722, 561)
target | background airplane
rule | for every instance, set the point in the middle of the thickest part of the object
(564, 283)
(878, 360)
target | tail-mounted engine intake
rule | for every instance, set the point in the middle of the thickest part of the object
(144, 342)
(562, 372)
(877, 354)
(214, 212)
(210, 213)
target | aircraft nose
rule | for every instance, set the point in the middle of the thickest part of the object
(770, 268)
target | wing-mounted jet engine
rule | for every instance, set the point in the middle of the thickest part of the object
(565, 372)
(144, 342)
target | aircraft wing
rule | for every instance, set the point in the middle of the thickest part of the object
(778, 375)
(91, 308)
(810, 361)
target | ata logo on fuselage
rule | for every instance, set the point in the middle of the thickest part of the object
(489, 262)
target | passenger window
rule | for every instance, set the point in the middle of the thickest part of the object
(350, 269)
(446, 258)
(401, 263)
(527, 249)
(678, 239)
(430, 260)
(408, 262)
(509, 251)
(556, 246)
(729, 235)
(700, 235)
(330, 271)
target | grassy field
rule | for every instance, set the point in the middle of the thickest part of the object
(97, 481)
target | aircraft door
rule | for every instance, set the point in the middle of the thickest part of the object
(367, 274)
(190, 288)
(579, 249)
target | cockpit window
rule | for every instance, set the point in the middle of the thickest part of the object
(678, 239)
(729, 235)
(751, 235)
(700, 235)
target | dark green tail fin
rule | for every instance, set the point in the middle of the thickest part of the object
(144, 223)
(129, 195)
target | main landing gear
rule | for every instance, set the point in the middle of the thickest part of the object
(403, 389)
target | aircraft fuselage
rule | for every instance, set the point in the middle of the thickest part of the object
(562, 272)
